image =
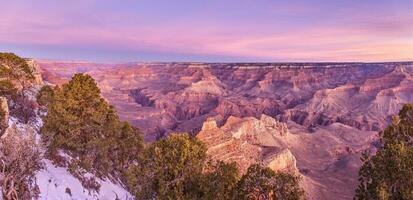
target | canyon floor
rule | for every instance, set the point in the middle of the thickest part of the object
(311, 118)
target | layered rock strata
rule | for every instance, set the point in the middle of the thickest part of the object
(247, 141)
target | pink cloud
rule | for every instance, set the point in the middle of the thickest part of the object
(370, 40)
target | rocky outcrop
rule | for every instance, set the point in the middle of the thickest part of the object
(24, 107)
(24, 76)
(21, 78)
(36, 71)
(282, 161)
(247, 141)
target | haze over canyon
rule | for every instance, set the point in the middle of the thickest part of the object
(312, 119)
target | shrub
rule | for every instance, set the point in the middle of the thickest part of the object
(14, 67)
(8, 90)
(219, 181)
(23, 109)
(45, 96)
(263, 183)
(168, 168)
(20, 158)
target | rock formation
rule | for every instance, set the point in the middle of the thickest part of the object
(37, 75)
(27, 87)
(282, 161)
(247, 141)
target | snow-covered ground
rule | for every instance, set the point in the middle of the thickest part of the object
(56, 182)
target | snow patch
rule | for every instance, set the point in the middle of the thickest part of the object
(56, 182)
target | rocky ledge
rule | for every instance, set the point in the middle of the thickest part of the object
(249, 140)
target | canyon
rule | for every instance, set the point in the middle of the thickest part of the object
(313, 119)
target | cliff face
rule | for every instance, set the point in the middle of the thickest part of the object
(282, 161)
(37, 75)
(365, 105)
(15, 108)
(24, 106)
(248, 141)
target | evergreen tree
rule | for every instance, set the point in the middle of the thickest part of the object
(8, 90)
(168, 168)
(219, 181)
(83, 124)
(13, 67)
(45, 95)
(13, 71)
(388, 175)
(263, 183)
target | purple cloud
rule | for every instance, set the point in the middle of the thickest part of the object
(297, 30)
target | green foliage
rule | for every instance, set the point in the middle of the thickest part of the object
(83, 124)
(219, 181)
(45, 95)
(387, 175)
(401, 130)
(263, 183)
(168, 168)
(256, 183)
(7, 89)
(287, 187)
(13, 71)
(14, 67)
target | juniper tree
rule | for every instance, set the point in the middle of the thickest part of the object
(218, 181)
(388, 174)
(80, 122)
(168, 168)
(263, 183)
(45, 95)
(15, 69)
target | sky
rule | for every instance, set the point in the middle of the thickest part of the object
(208, 30)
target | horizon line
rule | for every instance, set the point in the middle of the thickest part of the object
(221, 62)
